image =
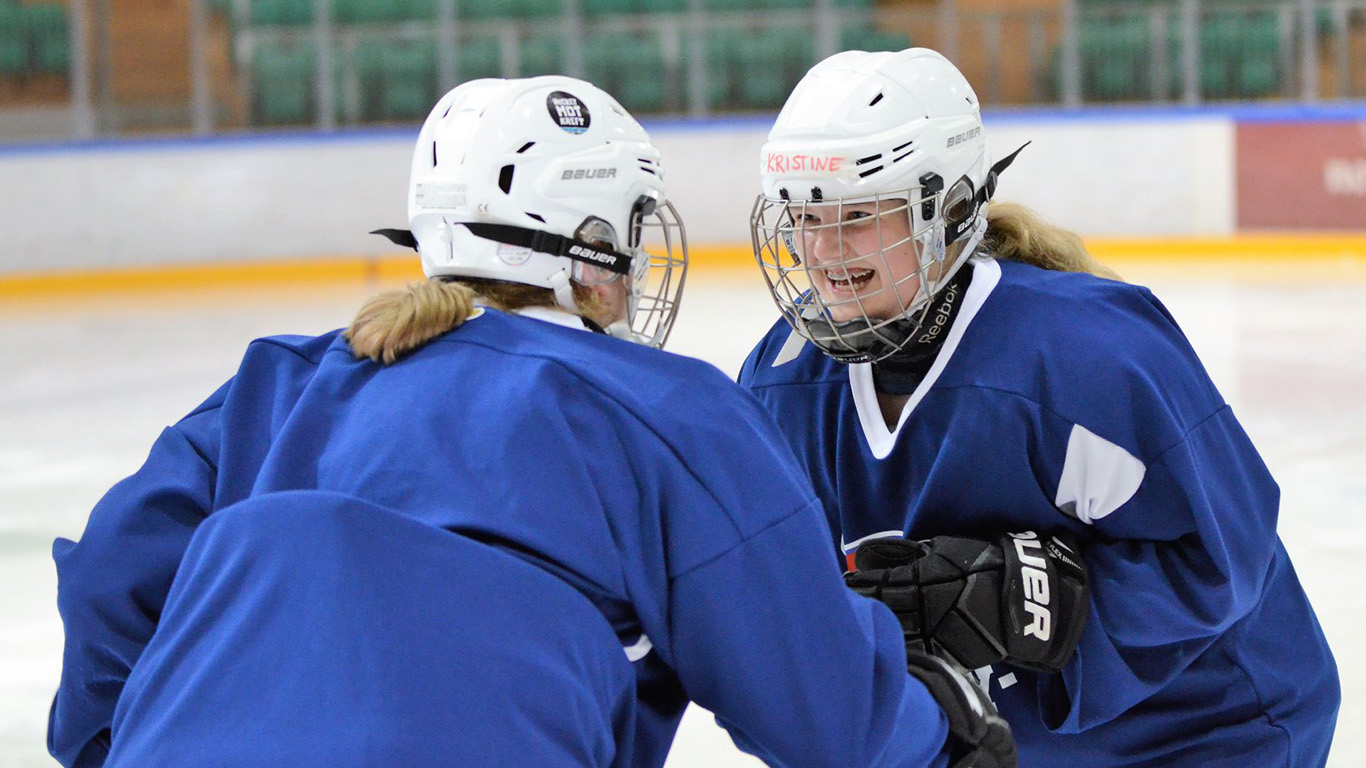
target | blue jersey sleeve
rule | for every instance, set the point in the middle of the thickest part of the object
(113, 583)
(757, 621)
(1177, 565)
(830, 688)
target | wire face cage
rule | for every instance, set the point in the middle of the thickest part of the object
(848, 274)
(657, 275)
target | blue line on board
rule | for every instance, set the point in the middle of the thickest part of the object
(1241, 113)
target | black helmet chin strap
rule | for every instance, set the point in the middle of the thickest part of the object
(555, 245)
(535, 239)
(989, 188)
(401, 237)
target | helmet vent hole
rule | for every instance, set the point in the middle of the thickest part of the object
(433, 154)
(899, 158)
(505, 179)
(876, 99)
(535, 216)
(903, 146)
(526, 146)
(869, 172)
(868, 159)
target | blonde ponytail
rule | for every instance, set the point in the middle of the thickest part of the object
(396, 323)
(1017, 233)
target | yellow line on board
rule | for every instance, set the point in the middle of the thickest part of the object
(1250, 256)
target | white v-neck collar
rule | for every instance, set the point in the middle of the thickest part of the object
(552, 315)
(986, 273)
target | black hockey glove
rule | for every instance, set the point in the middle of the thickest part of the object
(978, 736)
(1018, 599)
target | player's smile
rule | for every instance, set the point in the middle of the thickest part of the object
(848, 280)
(855, 253)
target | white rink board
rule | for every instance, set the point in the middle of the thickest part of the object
(90, 382)
(301, 196)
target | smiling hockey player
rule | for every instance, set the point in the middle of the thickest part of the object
(1102, 534)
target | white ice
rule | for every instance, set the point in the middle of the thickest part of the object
(90, 381)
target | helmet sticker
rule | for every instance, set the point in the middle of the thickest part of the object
(437, 196)
(568, 112)
(513, 255)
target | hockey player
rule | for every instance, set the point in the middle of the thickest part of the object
(477, 529)
(1102, 544)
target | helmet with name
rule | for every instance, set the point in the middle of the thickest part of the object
(544, 181)
(901, 130)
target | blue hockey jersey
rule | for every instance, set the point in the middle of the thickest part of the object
(1065, 401)
(643, 482)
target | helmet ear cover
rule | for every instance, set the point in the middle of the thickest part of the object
(959, 209)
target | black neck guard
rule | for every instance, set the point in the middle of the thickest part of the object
(901, 373)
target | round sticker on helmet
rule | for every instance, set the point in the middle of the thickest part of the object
(568, 111)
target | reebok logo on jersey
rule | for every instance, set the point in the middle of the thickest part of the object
(1034, 577)
(942, 314)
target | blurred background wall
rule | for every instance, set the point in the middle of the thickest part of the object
(153, 132)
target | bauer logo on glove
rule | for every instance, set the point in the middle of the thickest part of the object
(1021, 598)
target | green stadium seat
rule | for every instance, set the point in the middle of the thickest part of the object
(408, 86)
(281, 12)
(595, 8)
(542, 54)
(368, 63)
(1259, 64)
(51, 39)
(629, 67)
(283, 82)
(866, 38)
(13, 40)
(535, 9)
(479, 57)
(771, 62)
(419, 10)
(1114, 52)
(721, 47)
(1219, 46)
(397, 78)
(476, 10)
(367, 11)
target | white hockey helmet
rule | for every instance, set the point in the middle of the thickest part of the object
(544, 181)
(866, 128)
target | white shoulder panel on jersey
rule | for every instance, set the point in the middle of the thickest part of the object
(639, 649)
(1097, 476)
(790, 350)
(986, 274)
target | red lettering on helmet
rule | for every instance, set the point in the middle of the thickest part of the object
(784, 163)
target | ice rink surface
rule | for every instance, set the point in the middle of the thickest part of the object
(90, 380)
